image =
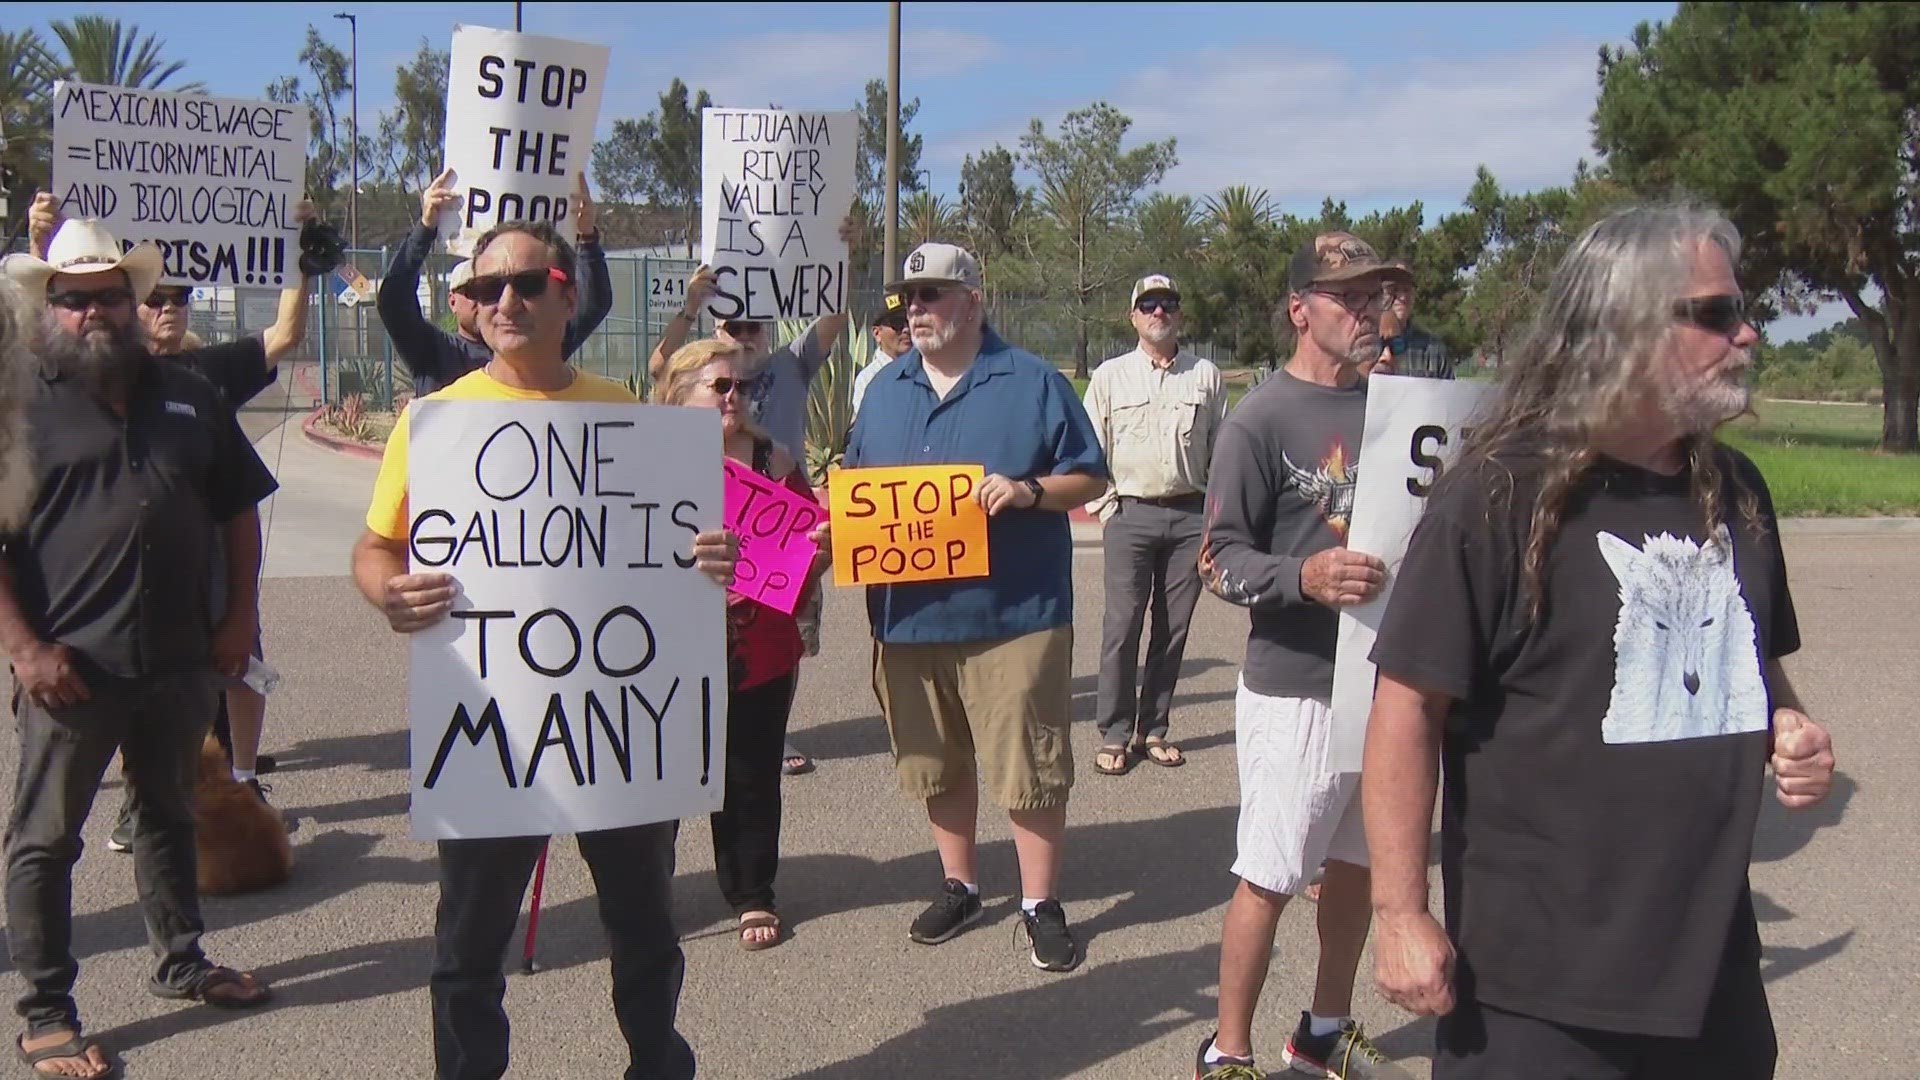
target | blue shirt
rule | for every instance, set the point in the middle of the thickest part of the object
(1011, 414)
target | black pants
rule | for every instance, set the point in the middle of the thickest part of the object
(746, 831)
(481, 886)
(157, 725)
(1152, 568)
(1736, 1042)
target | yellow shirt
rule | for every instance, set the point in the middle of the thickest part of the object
(387, 516)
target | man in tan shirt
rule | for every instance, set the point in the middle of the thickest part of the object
(1156, 410)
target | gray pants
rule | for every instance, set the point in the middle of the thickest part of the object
(157, 725)
(1152, 566)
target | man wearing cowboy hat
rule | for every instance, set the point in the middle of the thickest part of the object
(103, 613)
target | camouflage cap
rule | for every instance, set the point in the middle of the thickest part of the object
(1340, 256)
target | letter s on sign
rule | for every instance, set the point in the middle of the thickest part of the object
(1427, 440)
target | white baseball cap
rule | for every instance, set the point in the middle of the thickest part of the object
(461, 273)
(1153, 283)
(939, 264)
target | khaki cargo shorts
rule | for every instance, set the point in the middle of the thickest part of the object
(1000, 708)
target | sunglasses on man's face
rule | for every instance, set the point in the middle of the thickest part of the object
(80, 301)
(527, 285)
(179, 298)
(923, 294)
(725, 385)
(1149, 305)
(738, 329)
(1723, 314)
(897, 325)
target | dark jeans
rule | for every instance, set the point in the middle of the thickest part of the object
(1736, 1042)
(1153, 564)
(746, 830)
(157, 725)
(481, 886)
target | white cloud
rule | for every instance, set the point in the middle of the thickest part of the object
(1307, 126)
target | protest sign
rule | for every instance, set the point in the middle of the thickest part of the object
(1414, 429)
(213, 181)
(520, 115)
(581, 682)
(772, 522)
(775, 188)
(907, 523)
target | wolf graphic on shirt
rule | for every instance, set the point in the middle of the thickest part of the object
(1686, 655)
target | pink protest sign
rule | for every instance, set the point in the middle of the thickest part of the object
(772, 522)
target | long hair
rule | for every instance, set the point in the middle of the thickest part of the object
(1588, 361)
(17, 372)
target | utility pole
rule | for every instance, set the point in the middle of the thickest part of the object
(891, 254)
(353, 187)
(516, 16)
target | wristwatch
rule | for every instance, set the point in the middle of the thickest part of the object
(1039, 492)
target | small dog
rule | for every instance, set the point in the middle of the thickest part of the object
(242, 841)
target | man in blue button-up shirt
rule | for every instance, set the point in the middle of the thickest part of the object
(974, 675)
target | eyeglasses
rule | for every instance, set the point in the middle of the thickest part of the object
(1151, 304)
(80, 301)
(1373, 299)
(898, 326)
(527, 285)
(923, 294)
(743, 328)
(725, 385)
(1723, 314)
(179, 298)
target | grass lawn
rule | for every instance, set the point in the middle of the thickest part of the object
(1819, 459)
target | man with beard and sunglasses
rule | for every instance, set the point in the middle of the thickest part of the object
(1279, 500)
(524, 299)
(1157, 410)
(240, 370)
(975, 676)
(103, 611)
(434, 357)
(1594, 656)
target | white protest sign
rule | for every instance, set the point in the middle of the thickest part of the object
(520, 115)
(213, 181)
(581, 683)
(775, 188)
(667, 286)
(1413, 431)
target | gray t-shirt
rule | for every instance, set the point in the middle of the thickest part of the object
(1280, 490)
(780, 401)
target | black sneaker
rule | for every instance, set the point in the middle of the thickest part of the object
(1053, 947)
(1227, 1068)
(1346, 1054)
(122, 836)
(264, 764)
(954, 911)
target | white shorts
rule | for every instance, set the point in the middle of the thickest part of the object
(1294, 814)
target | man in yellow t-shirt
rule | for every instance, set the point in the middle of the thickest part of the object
(524, 294)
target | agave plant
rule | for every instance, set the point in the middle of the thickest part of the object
(830, 401)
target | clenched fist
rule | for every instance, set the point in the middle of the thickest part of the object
(1802, 759)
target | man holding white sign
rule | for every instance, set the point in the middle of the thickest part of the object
(1279, 504)
(523, 286)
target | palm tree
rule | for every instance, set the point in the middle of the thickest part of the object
(103, 51)
(1239, 208)
(26, 76)
(926, 217)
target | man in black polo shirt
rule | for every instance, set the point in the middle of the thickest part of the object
(138, 464)
(436, 358)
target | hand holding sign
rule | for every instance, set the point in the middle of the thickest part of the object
(417, 601)
(583, 208)
(716, 553)
(1342, 577)
(438, 198)
(908, 523)
(43, 220)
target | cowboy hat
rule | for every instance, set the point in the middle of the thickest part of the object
(84, 246)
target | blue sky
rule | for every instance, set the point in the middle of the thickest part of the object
(1377, 104)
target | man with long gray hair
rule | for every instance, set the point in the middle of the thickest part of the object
(1593, 651)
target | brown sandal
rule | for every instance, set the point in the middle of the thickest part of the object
(1110, 752)
(760, 920)
(1175, 761)
(252, 992)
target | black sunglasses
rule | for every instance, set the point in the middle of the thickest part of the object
(895, 323)
(527, 285)
(925, 294)
(739, 328)
(80, 301)
(725, 385)
(1150, 304)
(1723, 314)
(170, 297)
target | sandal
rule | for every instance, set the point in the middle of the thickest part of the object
(797, 765)
(760, 920)
(252, 993)
(75, 1048)
(1172, 758)
(1110, 753)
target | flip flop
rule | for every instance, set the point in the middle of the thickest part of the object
(1147, 751)
(214, 978)
(1123, 753)
(757, 921)
(789, 768)
(76, 1046)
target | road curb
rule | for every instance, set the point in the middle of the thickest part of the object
(334, 443)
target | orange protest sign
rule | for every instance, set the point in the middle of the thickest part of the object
(907, 523)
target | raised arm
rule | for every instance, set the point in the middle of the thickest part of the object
(416, 340)
(289, 327)
(596, 285)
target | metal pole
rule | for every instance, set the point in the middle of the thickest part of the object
(516, 16)
(891, 254)
(353, 185)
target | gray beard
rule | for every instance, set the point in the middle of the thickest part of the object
(103, 360)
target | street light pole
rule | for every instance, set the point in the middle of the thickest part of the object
(353, 187)
(890, 255)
